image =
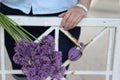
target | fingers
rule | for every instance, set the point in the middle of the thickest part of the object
(71, 18)
(70, 22)
(76, 21)
(61, 15)
(65, 18)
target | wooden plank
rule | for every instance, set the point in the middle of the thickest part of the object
(116, 65)
(55, 21)
(109, 54)
(2, 53)
(75, 72)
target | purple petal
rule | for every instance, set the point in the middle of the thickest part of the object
(74, 53)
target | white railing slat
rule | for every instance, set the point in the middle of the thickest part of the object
(55, 21)
(116, 64)
(2, 53)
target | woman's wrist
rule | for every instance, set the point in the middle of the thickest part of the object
(82, 7)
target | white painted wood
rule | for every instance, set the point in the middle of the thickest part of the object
(109, 54)
(55, 21)
(56, 38)
(76, 72)
(2, 53)
(97, 37)
(116, 65)
(45, 33)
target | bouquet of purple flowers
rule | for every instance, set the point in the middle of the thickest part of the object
(39, 60)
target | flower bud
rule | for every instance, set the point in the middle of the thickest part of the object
(75, 52)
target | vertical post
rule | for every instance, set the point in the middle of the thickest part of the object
(116, 64)
(2, 53)
(109, 55)
(56, 38)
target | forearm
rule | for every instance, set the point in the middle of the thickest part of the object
(86, 3)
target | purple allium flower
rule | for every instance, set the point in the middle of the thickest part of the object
(74, 53)
(58, 73)
(39, 60)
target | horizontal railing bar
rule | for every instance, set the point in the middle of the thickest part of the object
(88, 72)
(55, 21)
(68, 72)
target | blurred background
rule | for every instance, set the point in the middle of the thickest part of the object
(94, 57)
(105, 8)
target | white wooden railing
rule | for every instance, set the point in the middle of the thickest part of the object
(109, 23)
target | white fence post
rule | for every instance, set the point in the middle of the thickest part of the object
(109, 55)
(116, 65)
(2, 53)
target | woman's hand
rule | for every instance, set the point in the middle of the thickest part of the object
(72, 17)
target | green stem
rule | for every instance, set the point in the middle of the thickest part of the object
(15, 30)
(21, 28)
(12, 28)
(5, 26)
(19, 32)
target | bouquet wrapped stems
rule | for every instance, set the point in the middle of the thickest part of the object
(71, 38)
(78, 49)
(15, 30)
